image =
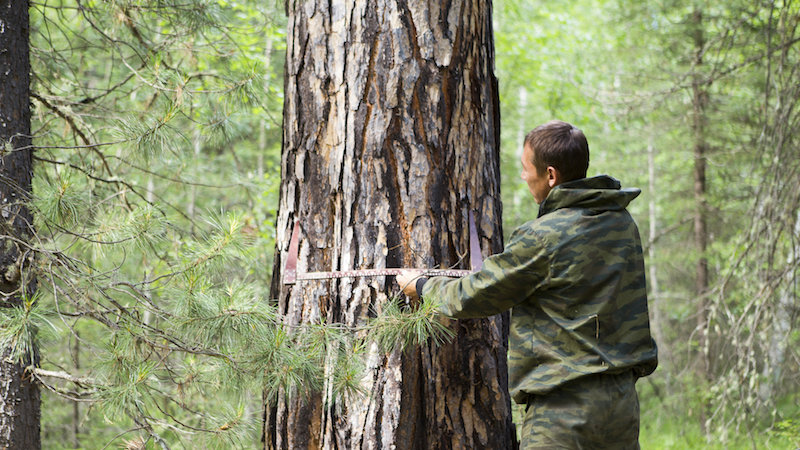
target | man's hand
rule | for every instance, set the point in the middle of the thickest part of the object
(408, 282)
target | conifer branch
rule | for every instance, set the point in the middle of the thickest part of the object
(80, 381)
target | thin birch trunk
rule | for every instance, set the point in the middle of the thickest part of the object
(781, 328)
(652, 266)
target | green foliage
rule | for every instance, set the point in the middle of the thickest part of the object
(290, 366)
(64, 201)
(25, 328)
(670, 421)
(788, 430)
(400, 326)
(232, 428)
(150, 137)
(346, 383)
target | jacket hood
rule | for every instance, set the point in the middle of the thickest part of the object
(602, 193)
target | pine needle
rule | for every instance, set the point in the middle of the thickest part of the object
(24, 327)
(407, 326)
(349, 371)
(64, 201)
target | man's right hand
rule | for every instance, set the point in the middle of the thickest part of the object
(408, 282)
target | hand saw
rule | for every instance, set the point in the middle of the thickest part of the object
(292, 276)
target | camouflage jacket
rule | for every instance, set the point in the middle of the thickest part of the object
(574, 281)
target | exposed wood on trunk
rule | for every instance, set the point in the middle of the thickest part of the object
(19, 393)
(390, 138)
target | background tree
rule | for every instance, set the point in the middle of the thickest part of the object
(141, 127)
(19, 394)
(757, 300)
(390, 140)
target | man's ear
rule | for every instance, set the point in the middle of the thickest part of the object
(553, 176)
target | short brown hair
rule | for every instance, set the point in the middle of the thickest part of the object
(561, 145)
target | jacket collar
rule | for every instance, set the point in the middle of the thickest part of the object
(601, 193)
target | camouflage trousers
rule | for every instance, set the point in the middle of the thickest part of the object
(594, 412)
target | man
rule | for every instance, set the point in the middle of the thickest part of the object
(574, 281)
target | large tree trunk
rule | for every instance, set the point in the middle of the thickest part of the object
(19, 394)
(390, 138)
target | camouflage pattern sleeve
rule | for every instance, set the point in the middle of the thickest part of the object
(505, 280)
(574, 279)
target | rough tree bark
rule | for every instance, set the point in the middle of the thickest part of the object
(391, 136)
(19, 394)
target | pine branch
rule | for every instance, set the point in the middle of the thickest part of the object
(407, 326)
(80, 381)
